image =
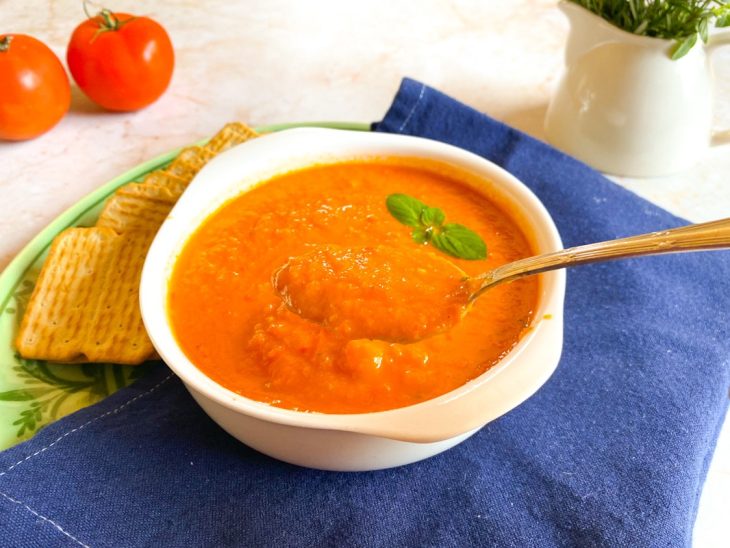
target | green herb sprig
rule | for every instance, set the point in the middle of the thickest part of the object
(429, 228)
(683, 21)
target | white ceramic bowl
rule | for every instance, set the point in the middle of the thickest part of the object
(365, 441)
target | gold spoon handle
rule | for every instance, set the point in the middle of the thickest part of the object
(697, 237)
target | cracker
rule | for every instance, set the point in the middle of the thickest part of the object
(85, 303)
(176, 185)
(232, 134)
(84, 307)
(137, 206)
(190, 160)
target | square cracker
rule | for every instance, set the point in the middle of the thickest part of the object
(85, 304)
(190, 160)
(230, 135)
(137, 206)
(176, 185)
(144, 206)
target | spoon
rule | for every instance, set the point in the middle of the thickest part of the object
(696, 237)
(380, 292)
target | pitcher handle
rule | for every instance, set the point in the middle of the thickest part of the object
(718, 39)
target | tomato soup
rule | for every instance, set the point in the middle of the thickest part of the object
(231, 322)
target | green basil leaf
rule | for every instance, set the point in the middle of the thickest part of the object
(421, 235)
(682, 46)
(405, 209)
(432, 216)
(427, 222)
(460, 241)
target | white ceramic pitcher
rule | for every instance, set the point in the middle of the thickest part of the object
(624, 106)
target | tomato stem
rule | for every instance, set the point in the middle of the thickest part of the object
(106, 19)
(110, 20)
(5, 43)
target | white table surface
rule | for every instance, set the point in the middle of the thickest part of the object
(269, 61)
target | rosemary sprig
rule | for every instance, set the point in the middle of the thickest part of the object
(684, 21)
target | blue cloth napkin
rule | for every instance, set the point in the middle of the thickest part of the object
(613, 450)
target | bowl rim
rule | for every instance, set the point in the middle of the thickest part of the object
(236, 170)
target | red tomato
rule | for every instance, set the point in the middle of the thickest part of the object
(120, 61)
(34, 89)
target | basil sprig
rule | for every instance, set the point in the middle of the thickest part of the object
(429, 228)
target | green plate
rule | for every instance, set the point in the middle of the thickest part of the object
(35, 393)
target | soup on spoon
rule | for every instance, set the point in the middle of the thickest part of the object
(375, 292)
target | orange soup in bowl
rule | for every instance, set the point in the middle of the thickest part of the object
(230, 320)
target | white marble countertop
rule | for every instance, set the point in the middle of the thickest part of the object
(270, 61)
